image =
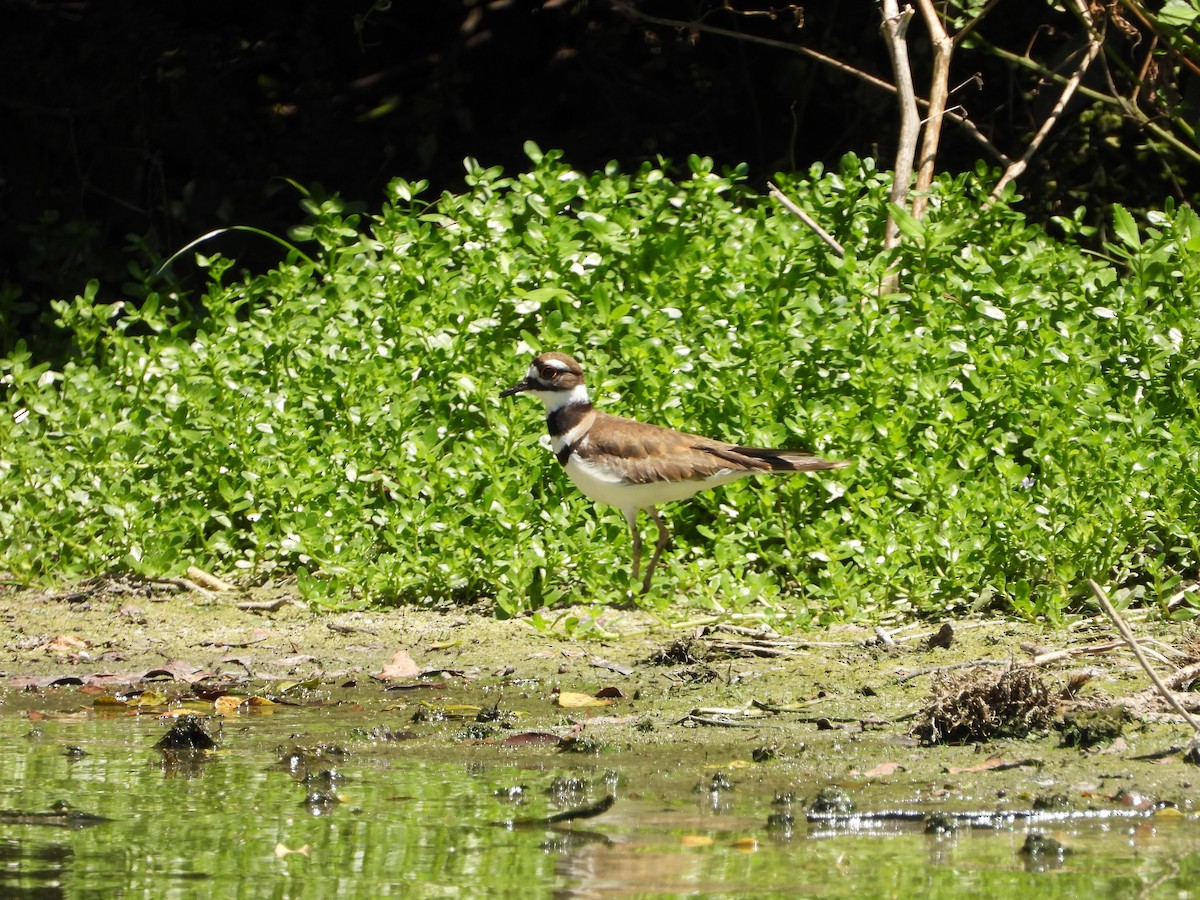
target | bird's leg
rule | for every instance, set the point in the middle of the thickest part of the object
(664, 538)
(631, 518)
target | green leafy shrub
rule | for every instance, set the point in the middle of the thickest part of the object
(1021, 417)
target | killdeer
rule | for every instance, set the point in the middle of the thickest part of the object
(635, 466)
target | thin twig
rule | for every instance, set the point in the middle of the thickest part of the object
(792, 207)
(184, 584)
(1042, 658)
(1153, 27)
(939, 91)
(1163, 690)
(208, 580)
(1136, 113)
(970, 27)
(263, 605)
(815, 55)
(1014, 171)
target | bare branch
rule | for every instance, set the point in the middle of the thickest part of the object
(939, 90)
(960, 120)
(1095, 44)
(1132, 110)
(808, 220)
(1155, 28)
(894, 27)
(1162, 689)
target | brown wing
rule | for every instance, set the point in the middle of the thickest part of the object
(651, 453)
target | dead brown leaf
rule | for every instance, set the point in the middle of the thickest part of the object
(65, 643)
(993, 764)
(884, 769)
(942, 638)
(401, 666)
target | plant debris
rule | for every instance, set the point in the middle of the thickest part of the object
(981, 705)
(187, 735)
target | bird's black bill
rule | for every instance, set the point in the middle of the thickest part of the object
(515, 389)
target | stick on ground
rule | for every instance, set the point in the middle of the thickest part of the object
(1162, 689)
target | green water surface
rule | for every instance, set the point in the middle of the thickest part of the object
(417, 818)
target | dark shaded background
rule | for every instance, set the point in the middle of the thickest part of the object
(132, 128)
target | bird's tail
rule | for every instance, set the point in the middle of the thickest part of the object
(783, 460)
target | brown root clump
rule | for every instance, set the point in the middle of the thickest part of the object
(982, 705)
(683, 651)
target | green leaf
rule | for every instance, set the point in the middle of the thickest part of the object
(906, 222)
(1179, 13)
(1125, 227)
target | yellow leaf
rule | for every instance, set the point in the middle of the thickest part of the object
(227, 704)
(572, 700)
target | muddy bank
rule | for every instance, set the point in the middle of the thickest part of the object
(850, 705)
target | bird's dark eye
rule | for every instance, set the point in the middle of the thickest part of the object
(549, 373)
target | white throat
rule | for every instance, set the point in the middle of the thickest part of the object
(556, 400)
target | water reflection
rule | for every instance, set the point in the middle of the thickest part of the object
(322, 803)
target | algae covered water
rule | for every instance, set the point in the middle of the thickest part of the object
(360, 793)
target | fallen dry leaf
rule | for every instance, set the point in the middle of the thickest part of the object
(887, 768)
(994, 764)
(572, 700)
(942, 638)
(611, 666)
(178, 670)
(65, 643)
(401, 666)
(231, 704)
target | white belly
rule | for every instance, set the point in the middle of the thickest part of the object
(605, 486)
